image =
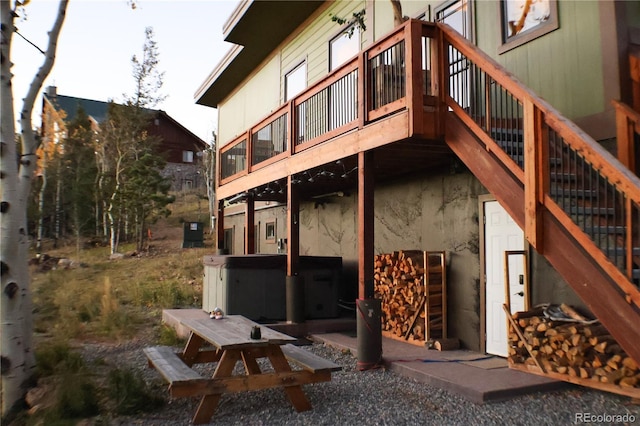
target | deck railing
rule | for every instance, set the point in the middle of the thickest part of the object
(328, 108)
(563, 170)
(370, 86)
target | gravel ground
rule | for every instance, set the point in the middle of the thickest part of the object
(376, 397)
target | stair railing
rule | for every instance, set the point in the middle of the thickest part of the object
(503, 113)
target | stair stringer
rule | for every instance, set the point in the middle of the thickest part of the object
(596, 289)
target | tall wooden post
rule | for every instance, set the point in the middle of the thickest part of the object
(365, 224)
(295, 295)
(249, 224)
(220, 227)
(368, 313)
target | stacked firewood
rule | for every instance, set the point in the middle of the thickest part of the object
(399, 284)
(580, 349)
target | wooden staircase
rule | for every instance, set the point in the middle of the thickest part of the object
(578, 205)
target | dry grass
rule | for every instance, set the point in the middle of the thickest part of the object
(110, 299)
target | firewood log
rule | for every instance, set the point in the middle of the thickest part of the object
(583, 351)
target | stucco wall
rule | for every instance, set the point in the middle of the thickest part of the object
(423, 213)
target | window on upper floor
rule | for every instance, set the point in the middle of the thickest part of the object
(295, 81)
(343, 47)
(187, 156)
(525, 20)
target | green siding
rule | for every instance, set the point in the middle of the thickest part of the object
(312, 43)
(263, 91)
(383, 19)
(251, 102)
(564, 66)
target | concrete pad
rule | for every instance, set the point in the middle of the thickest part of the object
(450, 370)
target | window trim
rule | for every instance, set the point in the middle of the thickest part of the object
(186, 158)
(470, 18)
(271, 224)
(539, 30)
(294, 68)
(343, 30)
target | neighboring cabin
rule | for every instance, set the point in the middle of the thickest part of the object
(180, 148)
(339, 146)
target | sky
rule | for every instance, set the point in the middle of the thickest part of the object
(98, 39)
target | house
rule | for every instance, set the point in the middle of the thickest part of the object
(475, 127)
(180, 147)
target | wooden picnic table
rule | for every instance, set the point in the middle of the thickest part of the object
(227, 341)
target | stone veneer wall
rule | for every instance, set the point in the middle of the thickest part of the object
(181, 174)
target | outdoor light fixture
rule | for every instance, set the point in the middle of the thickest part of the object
(346, 174)
(238, 198)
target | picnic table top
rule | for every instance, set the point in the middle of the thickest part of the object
(234, 331)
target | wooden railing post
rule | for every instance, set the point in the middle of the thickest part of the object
(442, 67)
(488, 104)
(249, 151)
(413, 73)
(363, 86)
(629, 237)
(634, 71)
(218, 167)
(624, 137)
(292, 137)
(536, 159)
(220, 227)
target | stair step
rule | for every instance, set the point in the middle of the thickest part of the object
(592, 211)
(574, 193)
(555, 161)
(602, 230)
(619, 251)
(563, 177)
(517, 132)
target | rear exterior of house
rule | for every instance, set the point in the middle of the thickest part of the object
(448, 138)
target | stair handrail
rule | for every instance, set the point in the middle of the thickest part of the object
(538, 113)
(591, 149)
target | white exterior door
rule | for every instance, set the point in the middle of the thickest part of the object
(501, 234)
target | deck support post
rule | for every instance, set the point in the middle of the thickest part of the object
(249, 225)
(220, 227)
(365, 224)
(367, 308)
(295, 297)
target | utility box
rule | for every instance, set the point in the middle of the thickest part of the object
(255, 285)
(322, 277)
(193, 235)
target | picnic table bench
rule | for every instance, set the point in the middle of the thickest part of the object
(230, 343)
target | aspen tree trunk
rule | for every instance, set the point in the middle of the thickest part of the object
(16, 173)
(43, 191)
